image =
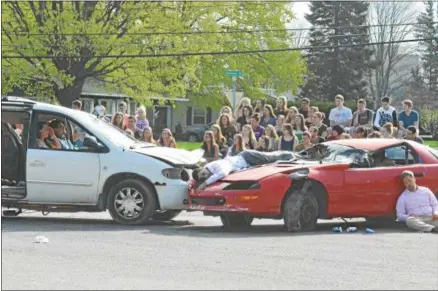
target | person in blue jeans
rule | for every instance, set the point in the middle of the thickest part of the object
(408, 117)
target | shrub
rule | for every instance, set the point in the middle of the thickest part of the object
(429, 121)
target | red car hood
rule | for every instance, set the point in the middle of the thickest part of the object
(255, 174)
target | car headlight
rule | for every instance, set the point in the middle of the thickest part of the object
(243, 185)
(176, 174)
(299, 174)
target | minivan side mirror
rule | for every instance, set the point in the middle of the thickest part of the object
(91, 142)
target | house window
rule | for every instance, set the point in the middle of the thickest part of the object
(199, 116)
(132, 108)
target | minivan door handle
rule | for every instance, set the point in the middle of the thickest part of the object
(37, 163)
(418, 175)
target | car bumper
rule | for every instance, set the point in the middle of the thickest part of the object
(173, 197)
(229, 201)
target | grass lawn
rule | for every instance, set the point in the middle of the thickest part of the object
(431, 143)
(188, 145)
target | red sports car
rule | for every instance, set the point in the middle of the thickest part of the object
(344, 178)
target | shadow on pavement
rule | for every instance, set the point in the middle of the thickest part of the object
(276, 230)
(38, 224)
(182, 227)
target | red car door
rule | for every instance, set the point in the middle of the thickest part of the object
(375, 190)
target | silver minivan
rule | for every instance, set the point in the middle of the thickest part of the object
(105, 168)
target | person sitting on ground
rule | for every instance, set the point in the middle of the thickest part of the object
(300, 123)
(417, 205)
(318, 119)
(245, 101)
(118, 121)
(268, 117)
(272, 136)
(288, 141)
(210, 147)
(361, 132)
(137, 133)
(345, 136)
(214, 171)
(279, 124)
(249, 139)
(375, 134)
(263, 144)
(281, 106)
(166, 139)
(256, 127)
(227, 128)
(142, 120)
(309, 119)
(148, 136)
(387, 130)
(412, 134)
(259, 105)
(46, 138)
(220, 140)
(305, 107)
(337, 131)
(225, 110)
(314, 137)
(245, 118)
(60, 132)
(238, 146)
(306, 143)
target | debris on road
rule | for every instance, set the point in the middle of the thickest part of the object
(41, 239)
(369, 230)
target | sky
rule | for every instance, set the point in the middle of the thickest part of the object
(302, 8)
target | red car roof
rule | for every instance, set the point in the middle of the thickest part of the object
(371, 144)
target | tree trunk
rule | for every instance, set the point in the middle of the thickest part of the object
(70, 93)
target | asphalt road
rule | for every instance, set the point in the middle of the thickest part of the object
(88, 251)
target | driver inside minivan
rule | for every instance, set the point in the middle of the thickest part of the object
(60, 132)
(46, 138)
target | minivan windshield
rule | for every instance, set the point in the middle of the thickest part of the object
(108, 131)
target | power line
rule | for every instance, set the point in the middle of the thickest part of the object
(187, 54)
(209, 32)
(190, 42)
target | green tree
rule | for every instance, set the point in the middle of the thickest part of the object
(336, 67)
(92, 30)
(427, 28)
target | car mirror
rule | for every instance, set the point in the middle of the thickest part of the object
(91, 142)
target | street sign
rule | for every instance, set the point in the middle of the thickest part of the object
(233, 73)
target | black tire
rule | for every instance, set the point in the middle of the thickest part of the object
(193, 138)
(236, 221)
(145, 192)
(300, 212)
(165, 215)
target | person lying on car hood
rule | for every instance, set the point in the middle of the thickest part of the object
(217, 170)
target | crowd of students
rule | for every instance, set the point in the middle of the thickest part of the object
(258, 126)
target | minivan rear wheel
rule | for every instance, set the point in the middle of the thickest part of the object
(131, 202)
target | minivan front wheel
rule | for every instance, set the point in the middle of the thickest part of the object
(131, 201)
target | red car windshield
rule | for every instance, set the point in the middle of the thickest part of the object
(332, 153)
